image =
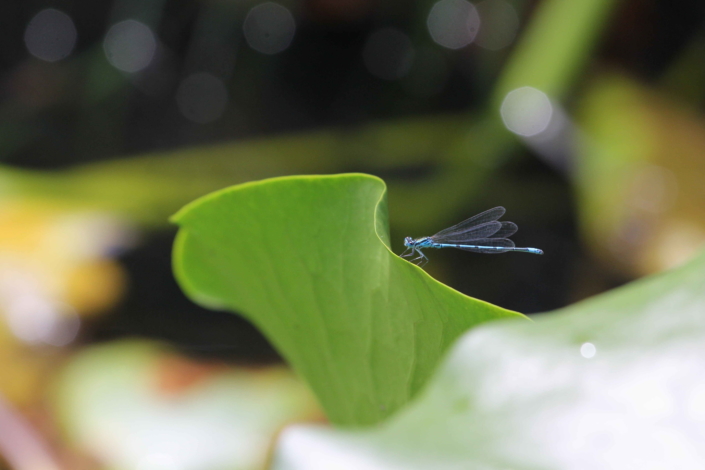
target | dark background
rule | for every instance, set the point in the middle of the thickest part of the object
(55, 115)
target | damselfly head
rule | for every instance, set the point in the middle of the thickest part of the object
(408, 241)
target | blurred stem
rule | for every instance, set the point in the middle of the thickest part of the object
(148, 189)
(22, 447)
(552, 52)
(555, 46)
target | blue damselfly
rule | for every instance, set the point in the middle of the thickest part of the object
(482, 233)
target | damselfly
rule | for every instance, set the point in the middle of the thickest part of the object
(480, 234)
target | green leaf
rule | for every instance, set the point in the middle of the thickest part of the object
(617, 381)
(307, 260)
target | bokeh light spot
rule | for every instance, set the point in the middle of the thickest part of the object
(50, 35)
(130, 46)
(453, 23)
(64, 330)
(269, 28)
(36, 320)
(500, 24)
(588, 350)
(31, 318)
(388, 54)
(526, 111)
(202, 98)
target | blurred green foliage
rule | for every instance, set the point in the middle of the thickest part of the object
(83, 142)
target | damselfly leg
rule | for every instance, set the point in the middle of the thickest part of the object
(421, 257)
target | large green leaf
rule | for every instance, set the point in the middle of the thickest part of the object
(615, 382)
(307, 260)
